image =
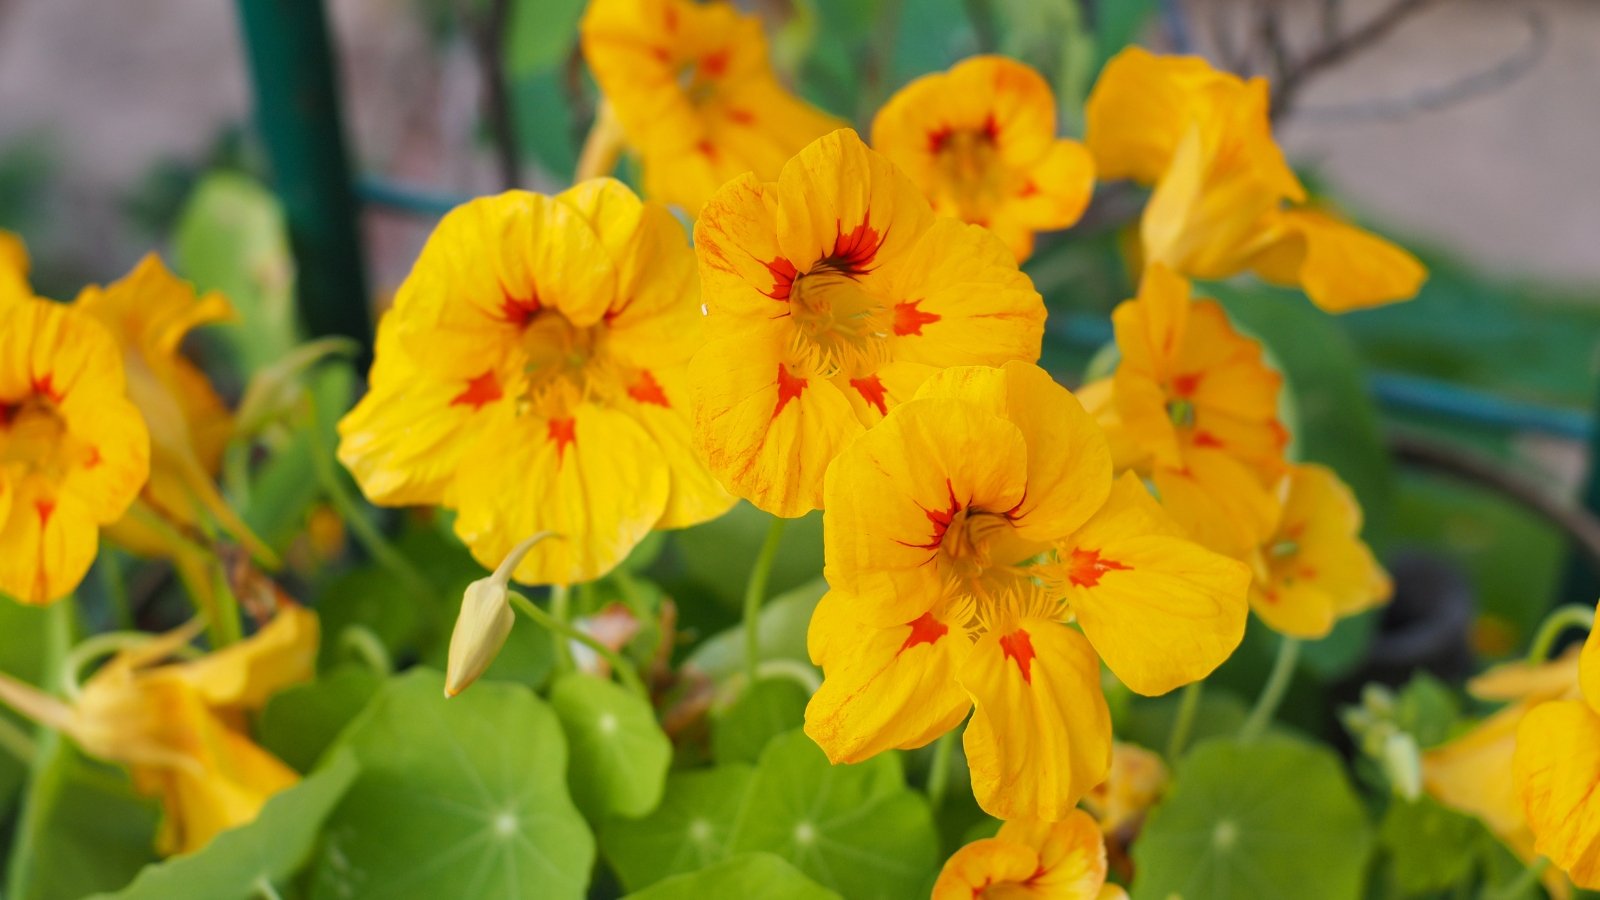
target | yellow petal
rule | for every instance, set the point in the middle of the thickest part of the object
(244, 675)
(1341, 267)
(1520, 680)
(1557, 769)
(1219, 502)
(1472, 773)
(1040, 737)
(984, 867)
(1141, 107)
(1589, 668)
(1072, 855)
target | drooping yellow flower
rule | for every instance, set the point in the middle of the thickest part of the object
(831, 294)
(1473, 773)
(531, 376)
(1064, 860)
(1315, 570)
(962, 534)
(1557, 771)
(73, 451)
(693, 89)
(980, 142)
(1224, 198)
(179, 726)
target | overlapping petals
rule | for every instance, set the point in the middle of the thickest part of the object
(1065, 860)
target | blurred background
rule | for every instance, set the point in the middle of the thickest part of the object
(1464, 129)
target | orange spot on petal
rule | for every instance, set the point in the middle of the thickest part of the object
(519, 311)
(564, 432)
(871, 390)
(648, 390)
(1086, 567)
(45, 509)
(92, 458)
(1018, 646)
(941, 519)
(1207, 439)
(46, 387)
(741, 116)
(715, 64)
(854, 251)
(479, 391)
(789, 388)
(707, 149)
(908, 319)
(938, 138)
(1028, 189)
(1184, 385)
(924, 630)
(783, 276)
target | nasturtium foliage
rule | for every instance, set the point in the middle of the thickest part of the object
(689, 830)
(763, 875)
(763, 711)
(1255, 820)
(464, 797)
(300, 722)
(252, 860)
(1428, 847)
(619, 759)
(781, 635)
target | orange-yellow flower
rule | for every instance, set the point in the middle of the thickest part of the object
(1064, 860)
(1224, 198)
(1557, 771)
(692, 88)
(73, 451)
(13, 268)
(831, 294)
(179, 726)
(531, 377)
(1137, 780)
(962, 534)
(1314, 569)
(980, 142)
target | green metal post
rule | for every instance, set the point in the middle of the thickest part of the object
(297, 114)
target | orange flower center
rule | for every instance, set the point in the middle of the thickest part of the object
(562, 362)
(840, 327)
(34, 437)
(971, 171)
(969, 540)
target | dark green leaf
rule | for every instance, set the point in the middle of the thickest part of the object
(746, 875)
(1429, 847)
(300, 722)
(770, 708)
(688, 831)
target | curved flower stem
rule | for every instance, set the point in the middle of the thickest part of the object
(939, 770)
(619, 664)
(755, 592)
(1183, 725)
(1574, 615)
(1272, 692)
(1517, 887)
(367, 647)
(561, 611)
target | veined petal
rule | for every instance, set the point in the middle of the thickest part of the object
(1072, 855)
(1341, 267)
(1161, 611)
(984, 867)
(49, 539)
(244, 675)
(1301, 610)
(1589, 668)
(1557, 678)
(1557, 769)
(1141, 107)
(1040, 737)
(839, 200)
(745, 275)
(1218, 501)
(658, 399)
(1472, 773)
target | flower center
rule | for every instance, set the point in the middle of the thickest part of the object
(968, 541)
(33, 436)
(561, 362)
(1181, 411)
(841, 328)
(972, 172)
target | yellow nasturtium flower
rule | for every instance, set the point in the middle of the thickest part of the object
(1064, 860)
(73, 451)
(13, 268)
(179, 726)
(831, 294)
(692, 87)
(1314, 569)
(531, 376)
(1557, 771)
(1225, 200)
(980, 141)
(962, 535)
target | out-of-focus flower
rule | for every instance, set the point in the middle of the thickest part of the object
(1065, 860)
(962, 534)
(531, 376)
(831, 295)
(1314, 569)
(179, 726)
(1137, 780)
(13, 268)
(1225, 200)
(693, 89)
(980, 142)
(73, 451)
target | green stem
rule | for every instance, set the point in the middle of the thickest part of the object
(1575, 615)
(755, 591)
(619, 664)
(1183, 725)
(1272, 692)
(561, 611)
(1522, 883)
(939, 769)
(265, 890)
(17, 742)
(367, 647)
(109, 565)
(227, 628)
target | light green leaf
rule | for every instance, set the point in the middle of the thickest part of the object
(236, 863)
(857, 829)
(620, 754)
(717, 555)
(300, 722)
(1255, 821)
(457, 798)
(1429, 847)
(770, 708)
(781, 634)
(688, 831)
(761, 875)
(540, 35)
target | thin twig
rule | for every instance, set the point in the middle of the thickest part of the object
(1330, 53)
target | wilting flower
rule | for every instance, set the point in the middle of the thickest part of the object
(1473, 773)
(1557, 771)
(531, 377)
(178, 726)
(831, 294)
(1314, 569)
(692, 87)
(1137, 780)
(73, 451)
(962, 534)
(1225, 200)
(980, 141)
(1064, 860)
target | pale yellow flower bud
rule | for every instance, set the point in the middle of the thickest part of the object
(485, 621)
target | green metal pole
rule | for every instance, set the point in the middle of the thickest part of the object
(297, 115)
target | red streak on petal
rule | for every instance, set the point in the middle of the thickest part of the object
(789, 388)
(741, 116)
(1308, 572)
(707, 149)
(991, 128)
(1184, 385)
(715, 64)
(871, 390)
(938, 139)
(46, 386)
(783, 276)
(662, 53)
(908, 319)
(518, 311)
(672, 18)
(648, 390)
(94, 459)
(564, 432)
(1086, 567)
(854, 251)
(1019, 647)
(1271, 596)
(1207, 439)
(941, 519)
(481, 390)
(1028, 189)
(6, 412)
(924, 630)
(45, 509)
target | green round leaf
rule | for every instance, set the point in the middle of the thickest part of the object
(301, 721)
(770, 708)
(619, 754)
(1269, 819)
(746, 875)
(456, 798)
(1429, 848)
(688, 831)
